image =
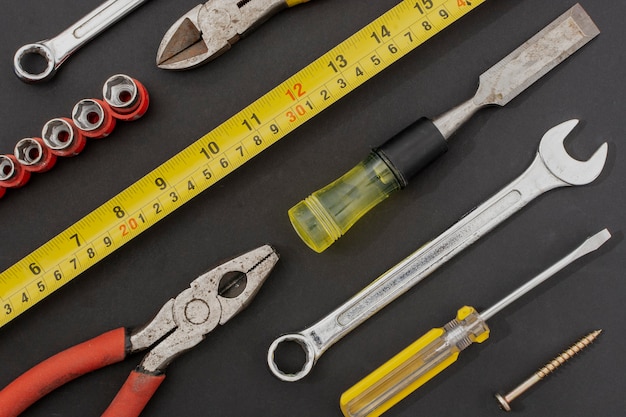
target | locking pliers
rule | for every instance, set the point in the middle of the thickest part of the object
(209, 29)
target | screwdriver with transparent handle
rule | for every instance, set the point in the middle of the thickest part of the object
(439, 348)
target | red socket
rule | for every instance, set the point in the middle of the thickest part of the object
(2, 191)
(34, 155)
(63, 138)
(127, 97)
(12, 173)
(93, 118)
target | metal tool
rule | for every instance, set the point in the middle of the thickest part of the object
(34, 155)
(12, 173)
(216, 154)
(210, 29)
(552, 167)
(327, 214)
(439, 348)
(63, 137)
(547, 369)
(212, 299)
(58, 49)
(94, 118)
(127, 98)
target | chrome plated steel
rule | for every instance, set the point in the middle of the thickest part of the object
(58, 49)
(522, 67)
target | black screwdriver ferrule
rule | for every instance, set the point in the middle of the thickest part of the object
(412, 149)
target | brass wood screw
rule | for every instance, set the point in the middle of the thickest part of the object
(505, 401)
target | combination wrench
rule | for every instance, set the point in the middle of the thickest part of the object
(58, 49)
(552, 167)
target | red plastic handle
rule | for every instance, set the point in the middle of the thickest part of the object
(134, 395)
(61, 368)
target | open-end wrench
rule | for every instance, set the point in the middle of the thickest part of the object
(56, 50)
(552, 167)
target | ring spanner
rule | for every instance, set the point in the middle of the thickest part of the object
(56, 50)
(552, 167)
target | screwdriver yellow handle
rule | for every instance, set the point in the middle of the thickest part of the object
(414, 366)
(291, 3)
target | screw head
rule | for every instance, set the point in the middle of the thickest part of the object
(504, 404)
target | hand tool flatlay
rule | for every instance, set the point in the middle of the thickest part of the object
(547, 369)
(210, 29)
(440, 347)
(330, 212)
(211, 300)
(57, 50)
(552, 167)
(220, 152)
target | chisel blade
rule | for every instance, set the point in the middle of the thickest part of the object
(536, 57)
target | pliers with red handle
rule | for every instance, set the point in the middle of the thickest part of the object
(213, 298)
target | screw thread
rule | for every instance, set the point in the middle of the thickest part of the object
(505, 400)
(567, 354)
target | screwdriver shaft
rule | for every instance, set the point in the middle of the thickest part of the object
(592, 243)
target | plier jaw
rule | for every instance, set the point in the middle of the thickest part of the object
(211, 300)
(209, 29)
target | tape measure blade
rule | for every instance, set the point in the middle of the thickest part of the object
(221, 151)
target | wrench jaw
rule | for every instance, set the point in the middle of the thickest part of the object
(559, 162)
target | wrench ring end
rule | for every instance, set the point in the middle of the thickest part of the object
(41, 50)
(306, 346)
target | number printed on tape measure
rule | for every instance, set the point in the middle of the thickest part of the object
(223, 150)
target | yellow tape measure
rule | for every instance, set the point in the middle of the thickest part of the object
(221, 151)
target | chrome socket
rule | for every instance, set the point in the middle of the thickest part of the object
(93, 117)
(34, 155)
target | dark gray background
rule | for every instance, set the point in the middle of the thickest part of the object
(227, 375)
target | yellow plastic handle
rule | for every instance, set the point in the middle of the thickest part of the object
(328, 213)
(368, 396)
(414, 366)
(291, 3)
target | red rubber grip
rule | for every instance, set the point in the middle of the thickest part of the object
(134, 395)
(138, 110)
(61, 368)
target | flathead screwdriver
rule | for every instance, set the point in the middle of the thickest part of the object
(328, 213)
(440, 347)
